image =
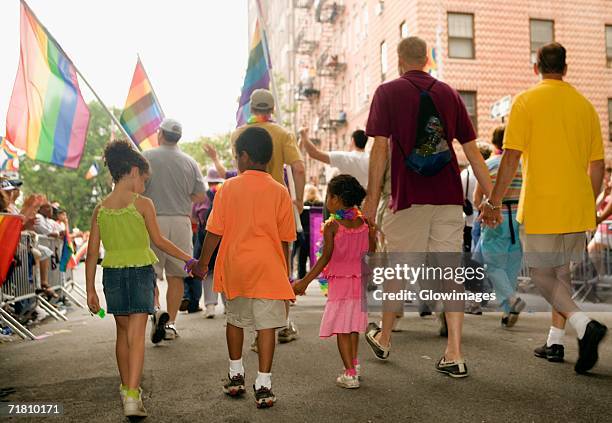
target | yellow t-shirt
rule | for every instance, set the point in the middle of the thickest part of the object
(558, 131)
(284, 147)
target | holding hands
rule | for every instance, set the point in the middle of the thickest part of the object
(300, 286)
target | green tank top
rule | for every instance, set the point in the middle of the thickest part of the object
(125, 237)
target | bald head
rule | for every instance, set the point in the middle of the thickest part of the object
(412, 53)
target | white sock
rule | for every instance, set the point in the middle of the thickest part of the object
(263, 379)
(236, 368)
(579, 322)
(555, 336)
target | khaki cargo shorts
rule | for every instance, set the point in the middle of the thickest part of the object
(258, 313)
(178, 230)
(552, 250)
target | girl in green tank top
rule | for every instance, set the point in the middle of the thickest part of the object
(126, 223)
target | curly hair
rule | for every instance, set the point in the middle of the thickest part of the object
(348, 189)
(120, 157)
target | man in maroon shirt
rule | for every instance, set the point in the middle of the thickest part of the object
(425, 212)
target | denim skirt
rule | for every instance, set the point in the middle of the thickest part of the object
(129, 290)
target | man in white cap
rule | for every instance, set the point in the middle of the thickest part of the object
(285, 151)
(175, 183)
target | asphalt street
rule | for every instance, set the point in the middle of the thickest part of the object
(75, 366)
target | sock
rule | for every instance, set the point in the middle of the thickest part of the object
(263, 379)
(123, 387)
(579, 322)
(132, 393)
(555, 336)
(236, 368)
(350, 372)
(355, 362)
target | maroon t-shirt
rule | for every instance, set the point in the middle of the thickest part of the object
(394, 113)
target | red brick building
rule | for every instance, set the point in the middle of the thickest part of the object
(338, 52)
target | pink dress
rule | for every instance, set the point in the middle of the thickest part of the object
(345, 310)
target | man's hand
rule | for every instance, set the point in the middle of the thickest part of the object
(489, 217)
(210, 151)
(299, 287)
(198, 269)
(369, 209)
(299, 205)
(303, 133)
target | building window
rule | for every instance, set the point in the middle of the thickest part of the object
(610, 119)
(542, 33)
(609, 44)
(404, 30)
(461, 35)
(383, 61)
(469, 98)
(366, 85)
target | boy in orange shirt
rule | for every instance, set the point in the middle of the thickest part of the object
(253, 220)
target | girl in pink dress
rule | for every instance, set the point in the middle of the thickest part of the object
(347, 237)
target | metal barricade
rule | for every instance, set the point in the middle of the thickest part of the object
(58, 280)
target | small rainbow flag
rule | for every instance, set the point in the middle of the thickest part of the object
(257, 75)
(47, 116)
(9, 156)
(10, 231)
(432, 62)
(142, 114)
(67, 262)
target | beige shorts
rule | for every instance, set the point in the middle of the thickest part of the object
(258, 313)
(553, 250)
(424, 228)
(178, 230)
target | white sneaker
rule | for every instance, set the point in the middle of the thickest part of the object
(171, 332)
(210, 311)
(133, 407)
(348, 382)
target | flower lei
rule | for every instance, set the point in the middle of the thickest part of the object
(259, 119)
(345, 214)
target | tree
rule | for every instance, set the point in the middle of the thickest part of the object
(69, 187)
(221, 144)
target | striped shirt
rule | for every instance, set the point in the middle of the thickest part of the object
(514, 190)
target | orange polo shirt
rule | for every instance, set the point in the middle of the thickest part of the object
(253, 214)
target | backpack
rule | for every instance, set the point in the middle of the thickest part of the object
(431, 152)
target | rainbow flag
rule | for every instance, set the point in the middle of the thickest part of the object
(142, 114)
(10, 231)
(9, 156)
(66, 261)
(257, 75)
(432, 62)
(47, 116)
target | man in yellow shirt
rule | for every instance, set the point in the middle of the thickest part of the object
(557, 132)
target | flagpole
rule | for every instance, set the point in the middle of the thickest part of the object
(152, 89)
(279, 116)
(113, 118)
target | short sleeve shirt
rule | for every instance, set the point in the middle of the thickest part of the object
(285, 150)
(394, 114)
(175, 177)
(559, 134)
(354, 163)
(254, 215)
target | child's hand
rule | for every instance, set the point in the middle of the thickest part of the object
(299, 287)
(93, 302)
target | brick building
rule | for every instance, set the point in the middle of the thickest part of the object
(331, 55)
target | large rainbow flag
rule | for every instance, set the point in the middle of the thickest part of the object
(9, 156)
(257, 75)
(47, 116)
(142, 114)
(10, 231)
